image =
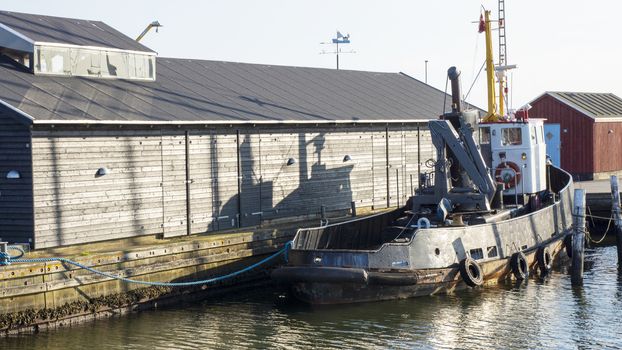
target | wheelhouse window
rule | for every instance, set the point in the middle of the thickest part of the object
(511, 137)
(484, 135)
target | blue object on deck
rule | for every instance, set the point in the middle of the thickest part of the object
(553, 143)
(7, 259)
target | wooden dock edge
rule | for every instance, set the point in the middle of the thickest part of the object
(40, 296)
(48, 295)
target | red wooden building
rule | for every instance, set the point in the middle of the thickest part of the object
(590, 130)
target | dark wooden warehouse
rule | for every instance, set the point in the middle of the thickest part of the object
(101, 140)
(590, 131)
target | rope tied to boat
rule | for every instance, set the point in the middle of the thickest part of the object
(7, 259)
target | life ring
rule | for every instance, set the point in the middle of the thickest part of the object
(544, 258)
(519, 267)
(471, 272)
(509, 178)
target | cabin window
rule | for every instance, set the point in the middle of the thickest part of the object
(491, 252)
(484, 135)
(511, 137)
(476, 254)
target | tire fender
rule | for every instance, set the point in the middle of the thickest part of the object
(471, 272)
(545, 259)
(519, 266)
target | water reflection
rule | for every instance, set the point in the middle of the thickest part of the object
(545, 313)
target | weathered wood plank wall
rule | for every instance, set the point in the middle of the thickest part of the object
(75, 205)
(15, 194)
(145, 192)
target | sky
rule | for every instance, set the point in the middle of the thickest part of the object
(558, 45)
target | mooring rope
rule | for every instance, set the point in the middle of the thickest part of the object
(592, 217)
(588, 236)
(7, 259)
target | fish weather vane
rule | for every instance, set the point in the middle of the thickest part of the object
(340, 39)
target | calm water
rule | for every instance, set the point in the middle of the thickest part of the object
(539, 314)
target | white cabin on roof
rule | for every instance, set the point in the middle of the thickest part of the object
(516, 154)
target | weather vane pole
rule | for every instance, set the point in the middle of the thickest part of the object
(340, 39)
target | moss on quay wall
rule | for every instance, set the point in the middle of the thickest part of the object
(30, 317)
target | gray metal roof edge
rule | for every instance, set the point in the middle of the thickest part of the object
(555, 95)
(160, 58)
(18, 34)
(14, 31)
(439, 90)
(220, 122)
(26, 119)
(50, 16)
(112, 49)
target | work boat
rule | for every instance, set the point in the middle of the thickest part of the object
(489, 210)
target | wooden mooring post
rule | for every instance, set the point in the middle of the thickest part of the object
(617, 215)
(578, 238)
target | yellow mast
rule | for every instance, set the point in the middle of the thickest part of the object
(492, 115)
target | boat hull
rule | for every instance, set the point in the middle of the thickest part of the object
(338, 289)
(376, 258)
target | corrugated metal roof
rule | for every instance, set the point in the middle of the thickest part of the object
(198, 91)
(594, 105)
(69, 31)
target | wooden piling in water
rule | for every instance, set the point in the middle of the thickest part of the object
(617, 215)
(578, 237)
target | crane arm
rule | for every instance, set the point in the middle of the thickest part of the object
(154, 24)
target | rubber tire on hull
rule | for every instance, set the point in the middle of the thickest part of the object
(471, 272)
(544, 258)
(568, 245)
(519, 266)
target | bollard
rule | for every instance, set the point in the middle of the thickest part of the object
(617, 215)
(353, 208)
(578, 237)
